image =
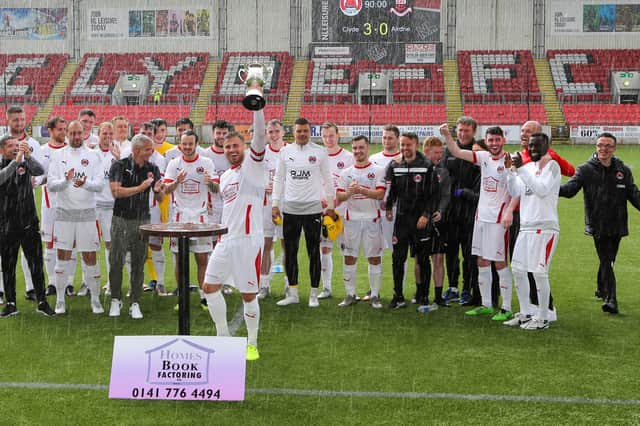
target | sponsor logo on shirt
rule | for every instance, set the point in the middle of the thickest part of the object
(300, 174)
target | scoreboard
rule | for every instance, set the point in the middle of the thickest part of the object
(376, 21)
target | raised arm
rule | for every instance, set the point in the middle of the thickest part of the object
(453, 147)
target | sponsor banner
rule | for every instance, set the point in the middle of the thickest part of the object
(576, 17)
(33, 23)
(420, 53)
(178, 367)
(126, 23)
(590, 132)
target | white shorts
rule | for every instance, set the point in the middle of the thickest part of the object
(490, 241)
(362, 233)
(387, 231)
(236, 262)
(534, 250)
(85, 235)
(154, 213)
(47, 222)
(104, 222)
(196, 245)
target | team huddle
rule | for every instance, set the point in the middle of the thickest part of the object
(435, 202)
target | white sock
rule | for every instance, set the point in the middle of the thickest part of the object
(484, 282)
(157, 256)
(106, 257)
(62, 271)
(505, 287)
(544, 292)
(218, 311)
(202, 294)
(522, 289)
(252, 320)
(375, 279)
(71, 268)
(349, 278)
(286, 283)
(27, 273)
(265, 281)
(92, 279)
(404, 277)
(326, 260)
(50, 265)
(1, 279)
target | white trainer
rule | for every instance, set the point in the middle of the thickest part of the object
(134, 311)
(115, 308)
(84, 290)
(96, 307)
(263, 293)
(535, 324)
(291, 297)
(60, 308)
(313, 298)
(518, 319)
(325, 294)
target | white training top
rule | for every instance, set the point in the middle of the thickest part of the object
(494, 196)
(221, 165)
(302, 178)
(242, 188)
(75, 204)
(381, 159)
(48, 200)
(104, 198)
(190, 198)
(359, 207)
(538, 191)
(271, 158)
(92, 141)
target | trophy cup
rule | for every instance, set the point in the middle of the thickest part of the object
(254, 76)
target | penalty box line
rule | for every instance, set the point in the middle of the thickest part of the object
(361, 394)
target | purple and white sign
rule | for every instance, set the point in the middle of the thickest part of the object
(178, 367)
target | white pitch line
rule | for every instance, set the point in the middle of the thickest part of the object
(361, 394)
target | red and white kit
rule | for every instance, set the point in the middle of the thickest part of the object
(190, 199)
(362, 218)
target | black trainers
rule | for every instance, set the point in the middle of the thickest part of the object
(610, 306)
(51, 290)
(45, 309)
(68, 291)
(397, 302)
(9, 310)
(30, 295)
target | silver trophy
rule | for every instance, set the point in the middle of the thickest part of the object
(254, 75)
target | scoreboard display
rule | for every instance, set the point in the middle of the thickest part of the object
(377, 21)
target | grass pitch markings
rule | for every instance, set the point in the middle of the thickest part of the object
(362, 394)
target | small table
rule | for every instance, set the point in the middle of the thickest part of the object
(183, 231)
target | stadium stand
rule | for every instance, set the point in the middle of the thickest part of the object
(597, 114)
(497, 76)
(29, 77)
(179, 75)
(136, 114)
(230, 89)
(375, 114)
(237, 114)
(515, 114)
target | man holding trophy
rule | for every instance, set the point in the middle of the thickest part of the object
(242, 189)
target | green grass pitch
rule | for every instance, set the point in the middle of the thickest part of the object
(339, 366)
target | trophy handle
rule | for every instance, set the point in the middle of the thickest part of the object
(241, 71)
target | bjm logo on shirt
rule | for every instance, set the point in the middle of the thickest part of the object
(84, 162)
(312, 159)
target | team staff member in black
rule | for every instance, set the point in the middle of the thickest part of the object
(413, 189)
(465, 186)
(608, 185)
(131, 179)
(19, 221)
